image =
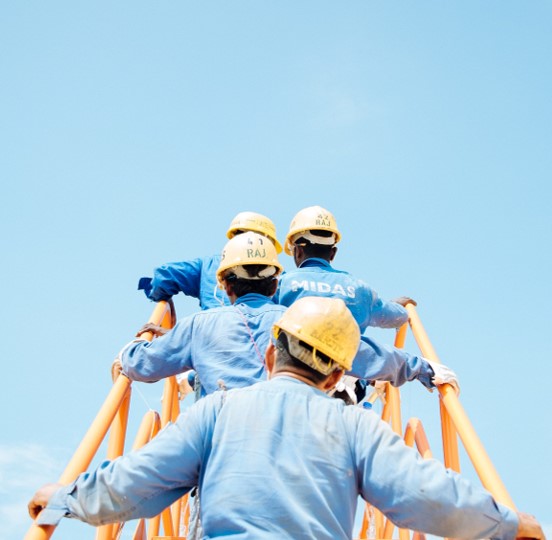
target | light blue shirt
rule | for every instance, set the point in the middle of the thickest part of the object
(316, 277)
(196, 278)
(224, 343)
(281, 460)
(229, 343)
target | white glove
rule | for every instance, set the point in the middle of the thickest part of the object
(379, 391)
(347, 384)
(444, 375)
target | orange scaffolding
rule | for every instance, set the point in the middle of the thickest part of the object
(113, 418)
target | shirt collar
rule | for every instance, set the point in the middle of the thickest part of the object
(253, 299)
(315, 261)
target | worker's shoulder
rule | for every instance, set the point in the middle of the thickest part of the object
(255, 306)
(356, 417)
(211, 259)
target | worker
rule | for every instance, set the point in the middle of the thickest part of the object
(311, 240)
(196, 278)
(227, 344)
(281, 459)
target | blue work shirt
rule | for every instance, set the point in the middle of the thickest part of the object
(229, 343)
(281, 460)
(196, 278)
(225, 343)
(316, 277)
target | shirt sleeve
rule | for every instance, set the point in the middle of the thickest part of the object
(376, 362)
(170, 354)
(387, 314)
(144, 482)
(420, 494)
(172, 278)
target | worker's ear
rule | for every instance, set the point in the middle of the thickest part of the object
(333, 379)
(298, 254)
(270, 358)
(273, 287)
(229, 290)
(332, 253)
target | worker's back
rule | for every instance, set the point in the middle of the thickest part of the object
(281, 459)
(316, 277)
(279, 465)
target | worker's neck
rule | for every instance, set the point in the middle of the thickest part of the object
(299, 377)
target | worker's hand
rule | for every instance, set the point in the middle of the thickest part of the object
(529, 527)
(153, 328)
(117, 366)
(40, 499)
(184, 387)
(444, 375)
(404, 300)
(380, 388)
(116, 369)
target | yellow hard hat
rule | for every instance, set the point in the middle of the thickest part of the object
(313, 218)
(251, 221)
(246, 249)
(327, 325)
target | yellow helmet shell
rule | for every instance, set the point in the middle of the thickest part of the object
(310, 219)
(326, 324)
(248, 248)
(251, 221)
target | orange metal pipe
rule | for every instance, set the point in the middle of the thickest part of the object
(478, 456)
(166, 518)
(167, 403)
(97, 431)
(154, 526)
(386, 411)
(140, 531)
(92, 440)
(393, 393)
(394, 400)
(388, 529)
(400, 337)
(149, 427)
(379, 523)
(176, 512)
(147, 430)
(365, 522)
(175, 403)
(117, 433)
(115, 449)
(415, 433)
(186, 502)
(88, 447)
(451, 456)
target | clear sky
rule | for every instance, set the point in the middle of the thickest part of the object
(132, 133)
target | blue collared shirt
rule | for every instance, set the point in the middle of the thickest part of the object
(196, 278)
(282, 460)
(316, 277)
(225, 343)
(228, 344)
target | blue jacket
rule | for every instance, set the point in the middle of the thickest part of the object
(229, 343)
(316, 277)
(196, 278)
(281, 460)
(225, 343)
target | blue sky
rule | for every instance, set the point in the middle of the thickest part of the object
(133, 133)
